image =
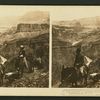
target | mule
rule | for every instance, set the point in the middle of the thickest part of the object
(75, 76)
(69, 75)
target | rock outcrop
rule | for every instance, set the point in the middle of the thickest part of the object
(31, 27)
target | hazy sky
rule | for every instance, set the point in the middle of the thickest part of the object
(56, 12)
(74, 12)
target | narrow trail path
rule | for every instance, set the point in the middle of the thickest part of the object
(38, 78)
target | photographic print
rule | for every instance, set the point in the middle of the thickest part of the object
(24, 46)
(49, 50)
(76, 47)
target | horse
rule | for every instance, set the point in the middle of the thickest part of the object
(75, 75)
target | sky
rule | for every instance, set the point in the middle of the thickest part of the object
(75, 12)
(57, 13)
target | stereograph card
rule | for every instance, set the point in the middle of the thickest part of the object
(49, 50)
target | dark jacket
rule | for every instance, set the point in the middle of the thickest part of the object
(22, 52)
(79, 60)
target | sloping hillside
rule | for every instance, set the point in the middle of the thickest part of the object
(90, 22)
(23, 31)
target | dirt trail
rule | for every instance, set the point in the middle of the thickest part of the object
(38, 78)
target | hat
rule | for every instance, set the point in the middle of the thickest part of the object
(21, 46)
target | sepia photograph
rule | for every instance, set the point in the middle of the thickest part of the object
(49, 50)
(24, 47)
(76, 47)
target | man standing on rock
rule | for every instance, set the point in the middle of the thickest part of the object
(22, 56)
(79, 60)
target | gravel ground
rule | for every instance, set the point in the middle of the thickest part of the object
(38, 78)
